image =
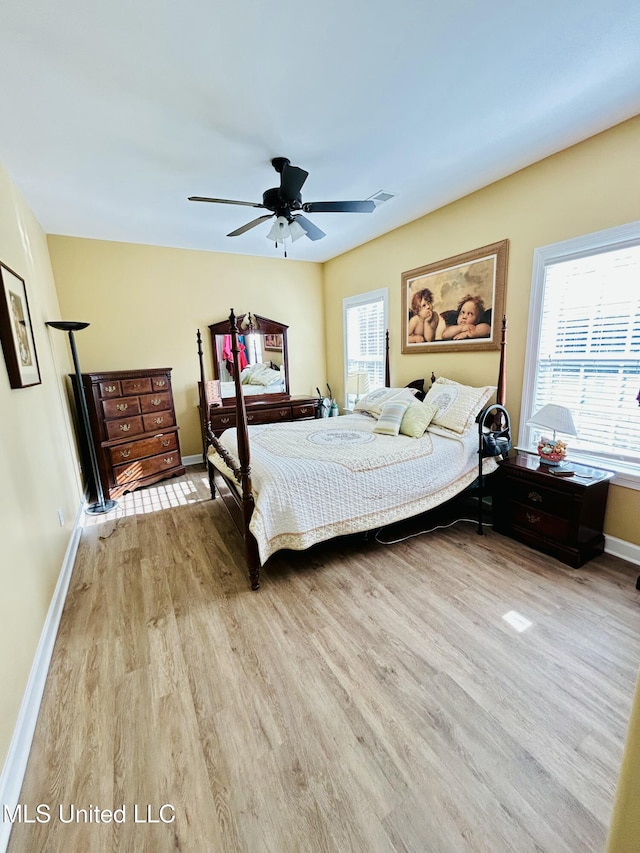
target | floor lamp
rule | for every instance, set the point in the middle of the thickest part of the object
(101, 505)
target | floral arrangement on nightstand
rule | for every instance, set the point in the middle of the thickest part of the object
(551, 451)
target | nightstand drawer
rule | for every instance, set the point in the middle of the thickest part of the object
(221, 422)
(538, 497)
(541, 523)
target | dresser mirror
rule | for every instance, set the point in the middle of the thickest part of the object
(263, 358)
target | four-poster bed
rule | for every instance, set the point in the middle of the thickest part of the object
(298, 483)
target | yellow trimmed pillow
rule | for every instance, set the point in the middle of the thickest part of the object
(456, 405)
(416, 419)
(391, 417)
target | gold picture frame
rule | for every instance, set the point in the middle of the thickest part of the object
(456, 305)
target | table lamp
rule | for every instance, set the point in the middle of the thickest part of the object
(552, 451)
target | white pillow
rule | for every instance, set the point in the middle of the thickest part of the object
(457, 405)
(372, 403)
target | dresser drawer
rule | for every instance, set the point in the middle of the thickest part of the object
(538, 522)
(155, 402)
(270, 416)
(158, 421)
(124, 428)
(144, 447)
(110, 389)
(160, 383)
(146, 467)
(121, 408)
(223, 421)
(539, 497)
(136, 386)
(303, 410)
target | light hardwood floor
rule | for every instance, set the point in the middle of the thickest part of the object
(367, 698)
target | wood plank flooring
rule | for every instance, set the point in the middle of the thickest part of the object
(368, 698)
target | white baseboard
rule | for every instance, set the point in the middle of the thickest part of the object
(193, 460)
(16, 763)
(620, 548)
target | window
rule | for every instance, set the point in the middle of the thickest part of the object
(365, 326)
(583, 348)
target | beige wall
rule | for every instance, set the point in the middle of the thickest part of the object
(145, 304)
(586, 188)
(38, 469)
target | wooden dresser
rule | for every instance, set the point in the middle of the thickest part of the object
(134, 428)
(264, 411)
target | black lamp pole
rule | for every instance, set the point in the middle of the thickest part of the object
(101, 504)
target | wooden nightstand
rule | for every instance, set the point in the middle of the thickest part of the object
(562, 516)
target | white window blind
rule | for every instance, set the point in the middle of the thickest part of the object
(588, 349)
(365, 325)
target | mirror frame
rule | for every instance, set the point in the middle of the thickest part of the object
(265, 327)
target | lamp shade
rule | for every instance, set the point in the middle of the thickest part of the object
(279, 230)
(357, 383)
(554, 417)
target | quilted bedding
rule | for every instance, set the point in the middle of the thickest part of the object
(314, 480)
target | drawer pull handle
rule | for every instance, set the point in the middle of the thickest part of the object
(160, 383)
(125, 427)
(158, 420)
(165, 442)
(535, 497)
(283, 413)
(533, 519)
(110, 389)
(303, 411)
(168, 460)
(122, 407)
(250, 417)
(125, 454)
(156, 401)
(225, 420)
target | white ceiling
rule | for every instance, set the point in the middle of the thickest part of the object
(113, 113)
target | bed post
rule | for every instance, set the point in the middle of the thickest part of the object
(244, 456)
(501, 394)
(204, 414)
(387, 371)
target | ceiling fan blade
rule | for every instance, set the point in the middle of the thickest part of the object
(249, 225)
(312, 231)
(225, 201)
(366, 206)
(291, 180)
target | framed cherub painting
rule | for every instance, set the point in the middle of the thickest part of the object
(455, 305)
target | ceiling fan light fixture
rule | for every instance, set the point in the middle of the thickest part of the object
(296, 230)
(279, 230)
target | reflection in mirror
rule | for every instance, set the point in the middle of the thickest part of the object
(262, 358)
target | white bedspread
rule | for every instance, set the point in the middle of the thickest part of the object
(313, 480)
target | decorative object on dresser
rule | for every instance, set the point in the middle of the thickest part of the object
(562, 516)
(134, 427)
(86, 438)
(553, 451)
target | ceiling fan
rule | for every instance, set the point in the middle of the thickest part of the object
(285, 202)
